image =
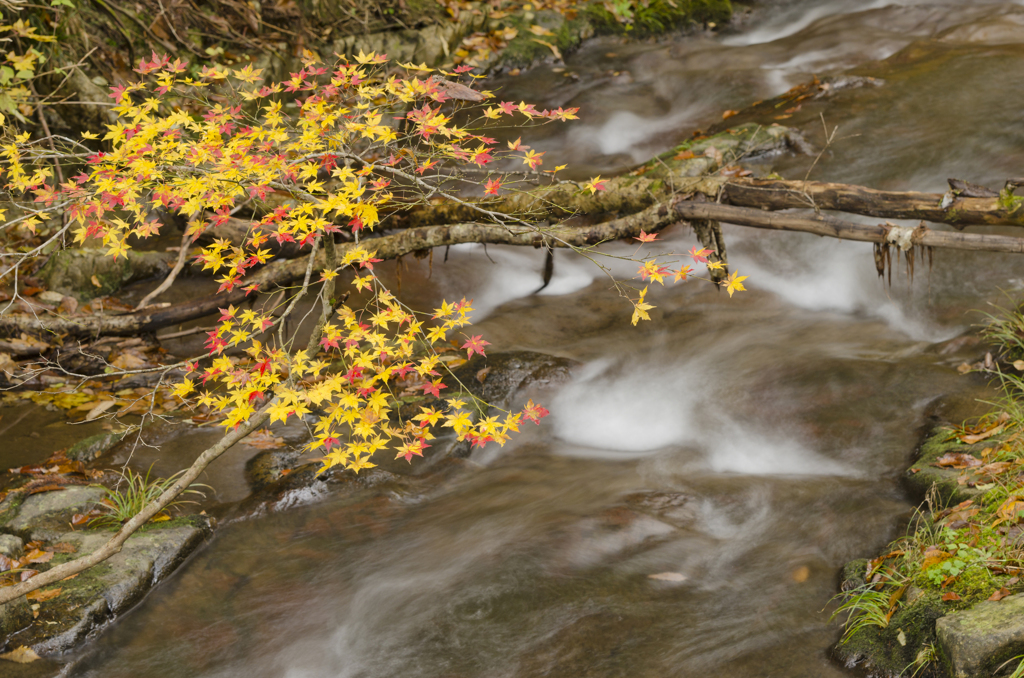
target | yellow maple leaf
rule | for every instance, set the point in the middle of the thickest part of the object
(640, 308)
(734, 283)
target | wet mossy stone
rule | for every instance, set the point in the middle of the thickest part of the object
(71, 271)
(268, 466)
(91, 599)
(14, 616)
(977, 641)
(889, 650)
(924, 475)
(47, 514)
(498, 377)
(11, 546)
(92, 447)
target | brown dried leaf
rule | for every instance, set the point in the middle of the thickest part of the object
(21, 655)
(1000, 594)
(63, 547)
(958, 460)
(49, 487)
(934, 556)
(978, 437)
(263, 440)
(36, 556)
(41, 596)
(947, 597)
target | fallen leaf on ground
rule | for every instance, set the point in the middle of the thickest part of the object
(957, 460)
(37, 556)
(1000, 594)
(21, 655)
(978, 437)
(947, 597)
(263, 440)
(41, 596)
(668, 576)
(100, 409)
(933, 556)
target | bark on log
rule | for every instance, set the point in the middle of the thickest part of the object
(654, 218)
(626, 194)
(779, 195)
(846, 230)
(284, 272)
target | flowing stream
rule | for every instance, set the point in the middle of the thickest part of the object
(742, 448)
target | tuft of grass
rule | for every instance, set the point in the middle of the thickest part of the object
(134, 492)
(1005, 329)
(864, 607)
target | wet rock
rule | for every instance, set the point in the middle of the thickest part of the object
(498, 377)
(923, 475)
(14, 615)
(92, 447)
(269, 466)
(72, 271)
(302, 486)
(889, 650)
(11, 546)
(94, 597)
(48, 514)
(975, 642)
(82, 361)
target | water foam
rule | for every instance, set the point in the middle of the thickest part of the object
(627, 412)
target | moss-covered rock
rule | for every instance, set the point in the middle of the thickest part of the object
(658, 16)
(92, 447)
(72, 271)
(889, 650)
(48, 514)
(925, 476)
(977, 641)
(95, 596)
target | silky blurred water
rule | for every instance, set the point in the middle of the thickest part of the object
(750, 446)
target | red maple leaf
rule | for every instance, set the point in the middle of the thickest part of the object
(475, 344)
(700, 256)
(534, 412)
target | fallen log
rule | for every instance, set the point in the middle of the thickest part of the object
(284, 272)
(842, 229)
(280, 273)
(952, 208)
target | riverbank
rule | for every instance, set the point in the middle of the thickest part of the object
(947, 598)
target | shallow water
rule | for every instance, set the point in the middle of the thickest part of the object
(748, 446)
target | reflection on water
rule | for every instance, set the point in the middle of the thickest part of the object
(746, 447)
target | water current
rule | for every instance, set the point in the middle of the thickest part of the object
(747, 446)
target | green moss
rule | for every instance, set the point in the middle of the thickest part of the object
(527, 48)
(891, 649)
(9, 507)
(655, 16)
